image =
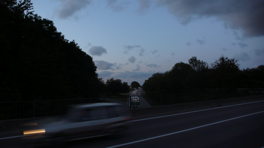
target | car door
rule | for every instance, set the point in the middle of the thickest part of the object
(98, 121)
(77, 127)
(113, 118)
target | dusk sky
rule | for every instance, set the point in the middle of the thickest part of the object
(132, 39)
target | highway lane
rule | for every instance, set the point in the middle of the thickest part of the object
(242, 133)
(247, 131)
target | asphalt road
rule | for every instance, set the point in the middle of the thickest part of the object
(239, 126)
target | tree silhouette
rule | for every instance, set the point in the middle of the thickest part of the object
(196, 79)
(135, 84)
(197, 65)
(116, 86)
(225, 71)
(37, 62)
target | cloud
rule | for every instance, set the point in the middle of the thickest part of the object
(137, 69)
(259, 52)
(127, 76)
(236, 14)
(133, 75)
(70, 7)
(233, 44)
(242, 45)
(117, 6)
(153, 65)
(103, 65)
(97, 50)
(238, 37)
(188, 43)
(105, 74)
(242, 57)
(225, 49)
(88, 45)
(173, 54)
(119, 66)
(201, 42)
(132, 47)
(132, 59)
(141, 52)
(155, 51)
(143, 5)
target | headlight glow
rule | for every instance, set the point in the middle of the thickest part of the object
(38, 131)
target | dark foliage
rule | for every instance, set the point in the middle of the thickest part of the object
(195, 81)
(135, 84)
(37, 62)
(116, 86)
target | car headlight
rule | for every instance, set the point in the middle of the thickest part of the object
(38, 131)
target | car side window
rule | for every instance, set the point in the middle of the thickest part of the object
(98, 113)
(111, 112)
(84, 115)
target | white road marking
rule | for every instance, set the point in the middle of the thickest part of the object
(11, 137)
(189, 129)
(193, 111)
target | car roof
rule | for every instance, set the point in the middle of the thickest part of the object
(95, 105)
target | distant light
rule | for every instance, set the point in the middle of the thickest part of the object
(39, 131)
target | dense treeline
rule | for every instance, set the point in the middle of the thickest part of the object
(114, 87)
(187, 81)
(37, 62)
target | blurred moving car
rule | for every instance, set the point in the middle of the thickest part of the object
(81, 121)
